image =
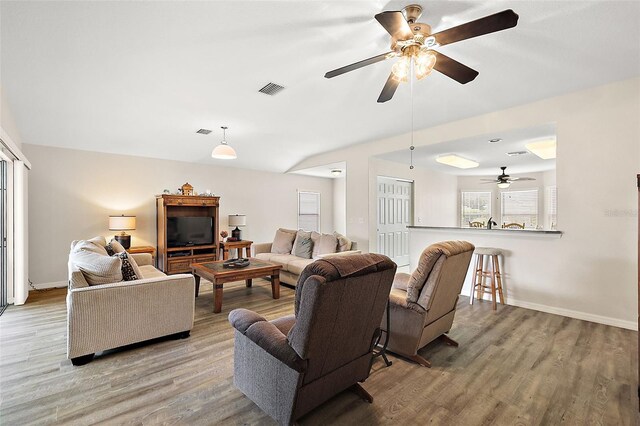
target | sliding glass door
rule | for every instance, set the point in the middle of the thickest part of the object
(3, 236)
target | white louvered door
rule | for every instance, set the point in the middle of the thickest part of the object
(394, 214)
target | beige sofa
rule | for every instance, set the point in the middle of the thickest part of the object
(110, 315)
(292, 265)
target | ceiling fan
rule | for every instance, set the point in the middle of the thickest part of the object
(413, 43)
(504, 180)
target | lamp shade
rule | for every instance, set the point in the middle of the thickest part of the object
(224, 152)
(122, 223)
(237, 220)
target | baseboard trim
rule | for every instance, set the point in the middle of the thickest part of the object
(54, 284)
(629, 325)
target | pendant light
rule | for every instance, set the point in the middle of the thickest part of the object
(224, 151)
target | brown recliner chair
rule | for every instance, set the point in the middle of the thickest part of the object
(293, 364)
(423, 304)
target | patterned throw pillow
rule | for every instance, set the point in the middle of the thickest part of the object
(302, 245)
(109, 249)
(128, 272)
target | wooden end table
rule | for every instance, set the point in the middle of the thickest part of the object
(225, 246)
(218, 275)
(142, 249)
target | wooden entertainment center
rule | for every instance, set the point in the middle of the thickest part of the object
(175, 260)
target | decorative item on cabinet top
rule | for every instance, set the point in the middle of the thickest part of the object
(186, 189)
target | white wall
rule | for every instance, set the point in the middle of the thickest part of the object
(73, 192)
(598, 157)
(340, 205)
(7, 121)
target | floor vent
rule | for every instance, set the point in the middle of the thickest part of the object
(204, 131)
(271, 89)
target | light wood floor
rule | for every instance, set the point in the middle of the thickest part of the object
(514, 367)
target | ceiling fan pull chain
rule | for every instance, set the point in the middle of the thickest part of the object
(411, 148)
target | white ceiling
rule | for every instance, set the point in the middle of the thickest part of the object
(325, 170)
(140, 78)
(490, 156)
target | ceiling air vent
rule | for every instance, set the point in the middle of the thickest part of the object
(271, 89)
(204, 131)
(516, 153)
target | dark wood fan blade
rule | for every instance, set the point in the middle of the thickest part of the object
(395, 24)
(489, 24)
(389, 89)
(357, 65)
(454, 69)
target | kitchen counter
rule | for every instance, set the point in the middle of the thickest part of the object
(493, 231)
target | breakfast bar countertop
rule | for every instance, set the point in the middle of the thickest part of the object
(496, 231)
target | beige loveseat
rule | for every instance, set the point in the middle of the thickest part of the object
(109, 315)
(293, 265)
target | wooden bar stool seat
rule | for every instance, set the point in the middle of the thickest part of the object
(486, 277)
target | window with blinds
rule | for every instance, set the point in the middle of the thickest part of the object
(309, 211)
(520, 207)
(476, 207)
(551, 207)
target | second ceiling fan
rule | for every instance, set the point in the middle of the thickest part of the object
(413, 43)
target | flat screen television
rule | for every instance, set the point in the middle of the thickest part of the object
(189, 231)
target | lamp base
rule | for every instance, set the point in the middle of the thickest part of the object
(236, 233)
(125, 240)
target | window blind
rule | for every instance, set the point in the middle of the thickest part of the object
(309, 211)
(476, 207)
(520, 207)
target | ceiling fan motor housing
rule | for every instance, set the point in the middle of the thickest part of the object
(421, 31)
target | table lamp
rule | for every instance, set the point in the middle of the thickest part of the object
(122, 223)
(237, 220)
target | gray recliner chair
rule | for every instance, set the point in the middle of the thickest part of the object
(423, 304)
(293, 364)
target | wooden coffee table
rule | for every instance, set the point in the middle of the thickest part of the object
(218, 275)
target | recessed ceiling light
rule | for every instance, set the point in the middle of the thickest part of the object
(336, 172)
(545, 149)
(516, 153)
(457, 161)
(494, 140)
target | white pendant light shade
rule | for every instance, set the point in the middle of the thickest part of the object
(503, 185)
(224, 151)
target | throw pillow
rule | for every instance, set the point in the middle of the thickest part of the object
(327, 243)
(315, 239)
(109, 249)
(97, 268)
(302, 245)
(94, 245)
(283, 241)
(128, 272)
(116, 246)
(344, 243)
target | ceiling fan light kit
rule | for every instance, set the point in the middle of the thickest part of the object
(457, 161)
(224, 151)
(412, 42)
(544, 149)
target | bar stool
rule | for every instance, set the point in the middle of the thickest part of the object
(478, 283)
